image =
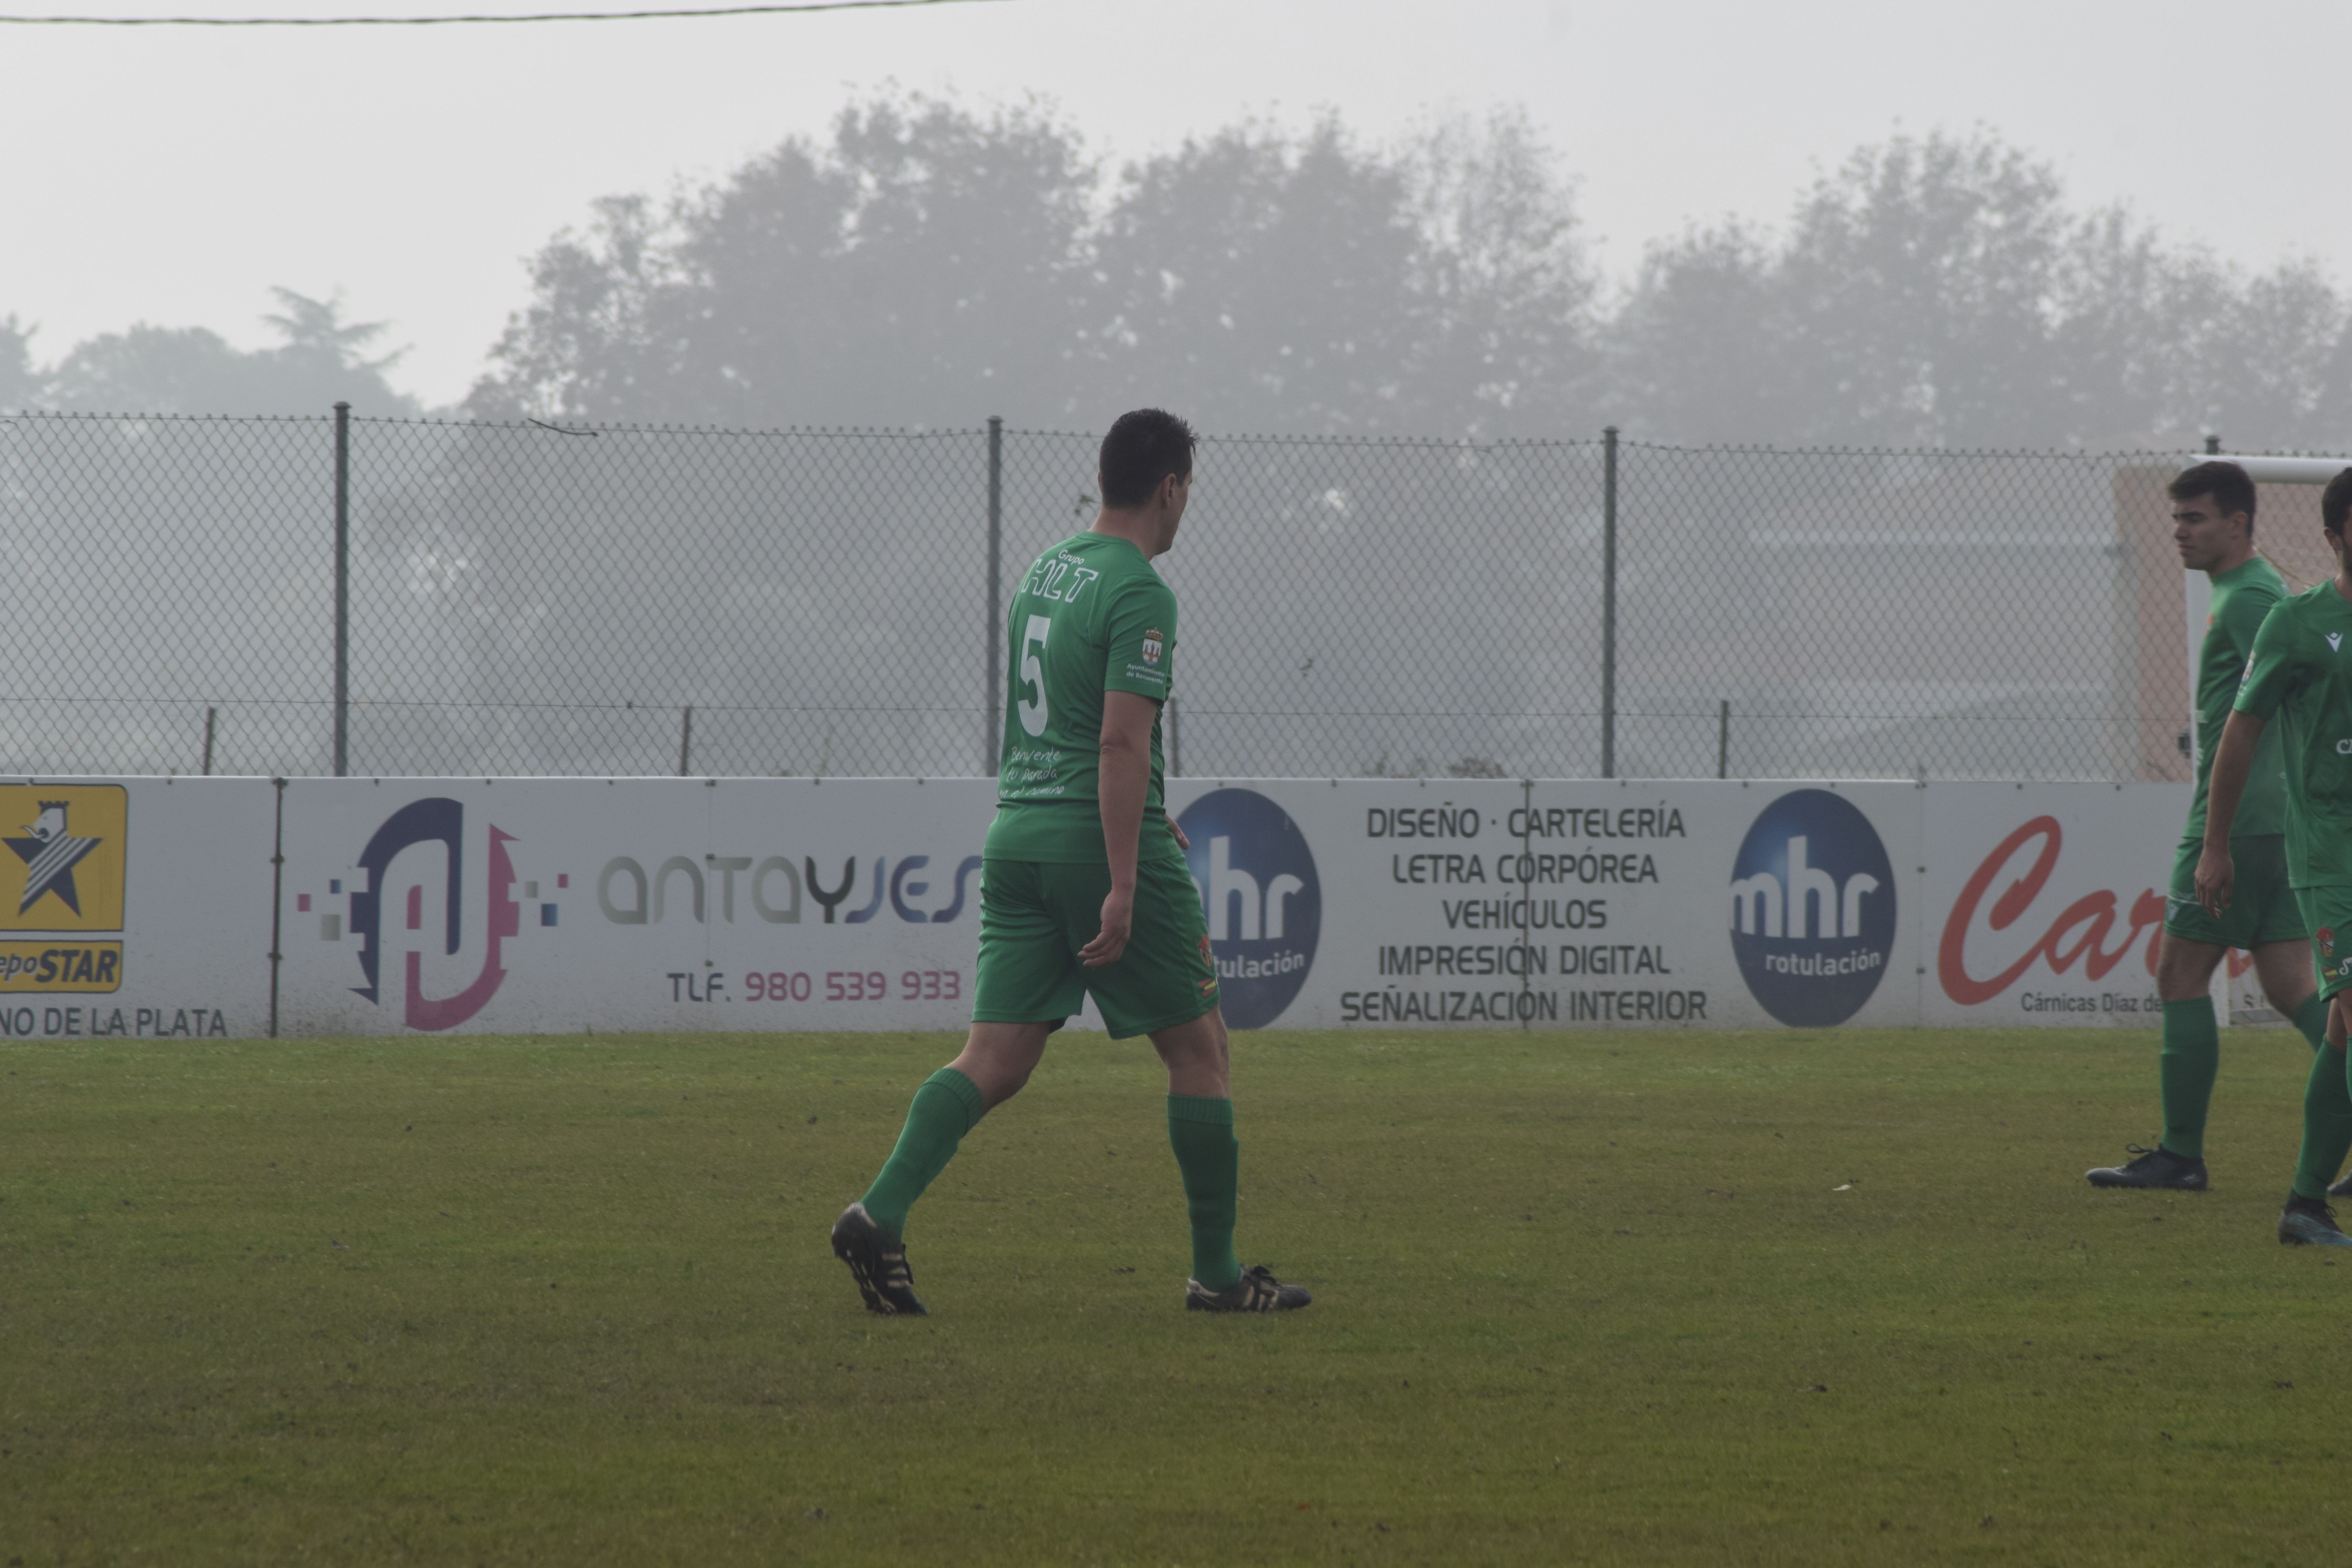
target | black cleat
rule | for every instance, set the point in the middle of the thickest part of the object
(878, 1263)
(2343, 1187)
(1258, 1291)
(2154, 1168)
(2309, 1222)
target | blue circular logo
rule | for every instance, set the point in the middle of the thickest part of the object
(1813, 909)
(1262, 898)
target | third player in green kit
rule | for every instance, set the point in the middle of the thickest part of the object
(2300, 674)
(2212, 527)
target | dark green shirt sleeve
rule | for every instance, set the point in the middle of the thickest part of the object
(1139, 652)
(2243, 614)
(2272, 670)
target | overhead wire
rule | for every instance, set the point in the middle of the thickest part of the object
(491, 19)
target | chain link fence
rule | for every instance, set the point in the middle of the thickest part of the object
(615, 601)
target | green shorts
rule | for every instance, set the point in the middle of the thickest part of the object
(2328, 912)
(2263, 908)
(1033, 918)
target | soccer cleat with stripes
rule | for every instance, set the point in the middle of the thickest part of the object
(2154, 1168)
(878, 1263)
(2309, 1222)
(1258, 1291)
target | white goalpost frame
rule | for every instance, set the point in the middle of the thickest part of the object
(2247, 1009)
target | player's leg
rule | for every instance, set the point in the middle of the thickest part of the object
(1198, 1057)
(1026, 983)
(2191, 1051)
(870, 1235)
(2187, 1062)
(2307, 1219)
(2284, 970)
(2267, 921)
(995, 1061)
(1165, 985)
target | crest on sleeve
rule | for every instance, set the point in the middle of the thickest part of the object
(1152, 644)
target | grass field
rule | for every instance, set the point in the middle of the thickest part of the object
(1780, 1298)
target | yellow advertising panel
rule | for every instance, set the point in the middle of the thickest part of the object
(61, 857)
(61, 966)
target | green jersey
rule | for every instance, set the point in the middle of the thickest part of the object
(2302, 674)
(1091, 616)
(2242, 596)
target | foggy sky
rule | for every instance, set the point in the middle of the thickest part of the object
(172, 176)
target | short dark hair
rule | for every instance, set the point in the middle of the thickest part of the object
(2232, 489)
(1143, 448)
(2335, 503)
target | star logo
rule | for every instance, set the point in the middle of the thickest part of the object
(50, 853)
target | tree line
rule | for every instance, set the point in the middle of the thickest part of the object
(929, 261)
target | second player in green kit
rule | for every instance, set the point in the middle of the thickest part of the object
(1084, 886)
(2300, 675)
(2213, 525)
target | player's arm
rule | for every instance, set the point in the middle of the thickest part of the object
(1122, 780)
(2234, 761)
(1139, 663)
(2271, 669)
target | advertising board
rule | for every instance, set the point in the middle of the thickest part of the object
(533, 905)
(147, 906)
(135, 908)
(1453, 902)
(2049, 899)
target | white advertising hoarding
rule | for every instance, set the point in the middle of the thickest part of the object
(1560, 904)
(136, 908)
(571, 904)
(2049, 899)
(144, 907)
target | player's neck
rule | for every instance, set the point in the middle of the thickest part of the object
(1140, 529)
(2231, 562)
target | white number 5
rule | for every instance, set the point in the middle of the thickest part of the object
(1033, 718)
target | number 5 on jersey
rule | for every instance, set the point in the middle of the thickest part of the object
(1033, 673)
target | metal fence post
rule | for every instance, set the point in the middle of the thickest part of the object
(342, 589)
(1608, 603)
(992, 700)
(685, 741)
(211, 714)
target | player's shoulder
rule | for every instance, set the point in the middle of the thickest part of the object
(1126, 570)
(2298, 606)
(2295, 620)
(2258, 581)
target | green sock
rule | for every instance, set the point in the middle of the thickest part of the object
(1201, 1133)
(2311, 1022)
(2192, 1054)
(948, 1106)
(2326, 1124)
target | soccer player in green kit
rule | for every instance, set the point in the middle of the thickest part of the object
(2302, 673)
(1085, 886)
(2213, 528)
